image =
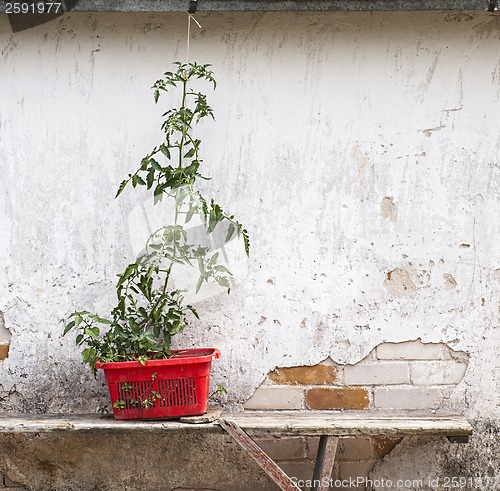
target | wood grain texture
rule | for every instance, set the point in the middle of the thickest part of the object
(257, 423)
(352, 423)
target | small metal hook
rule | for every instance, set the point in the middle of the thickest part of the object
(192, 6)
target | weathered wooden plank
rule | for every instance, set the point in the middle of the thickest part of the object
(213, 414)
(265, 462)
(325, 459)
(45, 423)
(352, 423)
(287, 423)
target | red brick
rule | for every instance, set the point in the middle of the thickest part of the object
(4, 351)
(337, 398)
(306, 375)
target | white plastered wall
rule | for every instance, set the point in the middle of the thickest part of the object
(351, 145)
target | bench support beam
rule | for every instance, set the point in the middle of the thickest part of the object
(325, 458)
(265, 462)
(324, 462)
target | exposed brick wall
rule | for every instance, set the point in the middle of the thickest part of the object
(355, 456)
(410, 375)
(4, 339)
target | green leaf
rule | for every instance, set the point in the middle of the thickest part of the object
(199, 283)
(230, 232)
(89, 356)
(119, 404)
(68, 327)
(129, 270)
(136, 179)
(189, 214)
(122, 187)
(223, 281)
(246, 242)
(101, 320)
(165, 151)
(157, 198)
(150, 178)
(192, 168)
(190, 153)
(159, 189)
(193, 310)
(92, 332)
(155, 165)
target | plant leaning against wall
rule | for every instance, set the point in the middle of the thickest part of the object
(149, 311)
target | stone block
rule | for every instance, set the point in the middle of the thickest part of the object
(356, 471)
(378, 373)
(410, 350)
(285, 449)
(312, 443)
(410, 397)
(348, 448)
(306, 375)
(276, 398)
(299, 470)
(337, 398)
(437, 372)
(352, 449)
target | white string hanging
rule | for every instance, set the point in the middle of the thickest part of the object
(190, 16)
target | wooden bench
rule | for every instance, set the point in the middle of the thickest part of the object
(329, 426)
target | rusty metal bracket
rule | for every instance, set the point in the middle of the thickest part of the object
(324, 462)
(253, 450)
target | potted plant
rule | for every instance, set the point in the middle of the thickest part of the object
(146, 378)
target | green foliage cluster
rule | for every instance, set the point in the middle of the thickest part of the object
(148, 312)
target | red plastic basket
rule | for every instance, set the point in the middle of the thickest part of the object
(161, 389)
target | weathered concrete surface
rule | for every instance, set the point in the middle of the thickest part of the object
(471, 467)
(352, 146)
(109, 462)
